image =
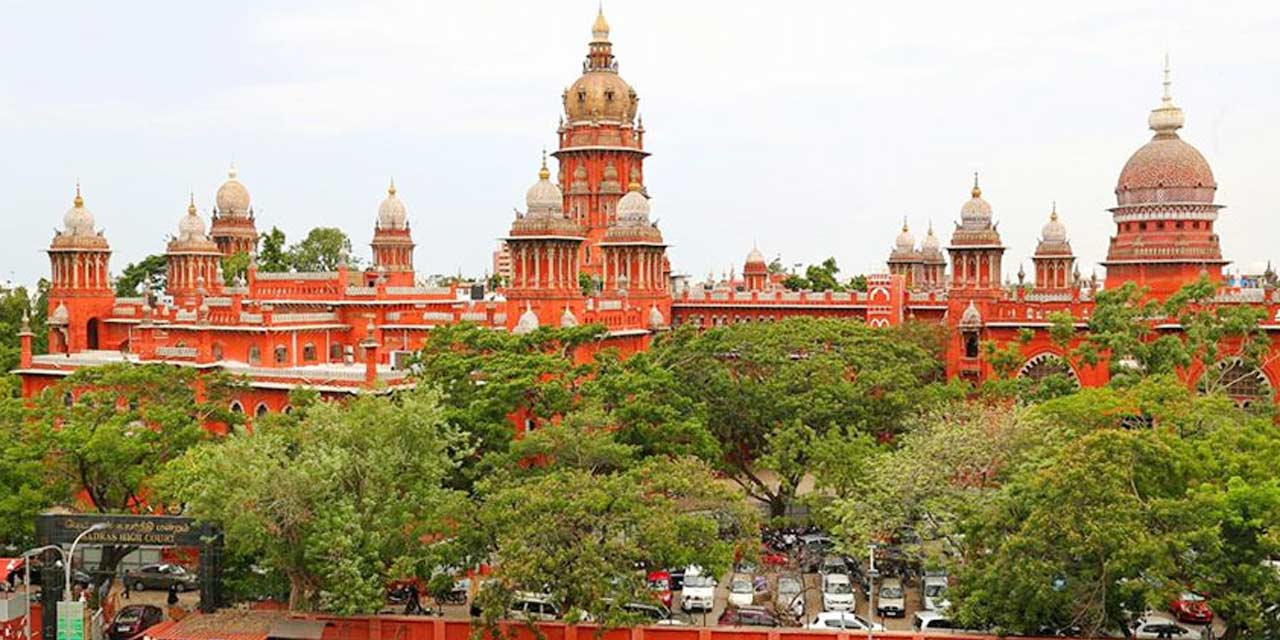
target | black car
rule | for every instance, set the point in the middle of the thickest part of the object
(134, 619)
(749, 617)
(161, 576)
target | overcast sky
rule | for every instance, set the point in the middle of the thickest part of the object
(810, 128)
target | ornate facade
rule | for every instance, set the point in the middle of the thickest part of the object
(586, 251)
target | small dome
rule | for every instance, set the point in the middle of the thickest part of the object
(755, 257)
(391, 213)
(528, 322)
(60, 315)
(633, 208)
(191, 226)
(233, 197)
(78, 221)
(1053, 230)
(567, 319)
(544, 198)
(976, 212)
(930, 241)
(905, 242)
(655, 318)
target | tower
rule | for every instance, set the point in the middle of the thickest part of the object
(601, 144)
(933, 265)
(545, 250)
(1054, 262)
(233, 227)
(905, 260)
(392, 243)
(755, 271)
(194, 260)
(633, 259)
(80, 294)
(1164, 211)
(975, 249)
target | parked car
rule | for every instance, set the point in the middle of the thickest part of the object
(655, 613)
(837, 593)
(742, 591)
(835, 620)
(532, 606)
(1159, 628)
(699, 593)
(813, 548)
(933, 591)
(771, 558)
(931, 621)
(833, 564)
(892, 600)
(660, 586)
(748, 617)
(790, 596)
(161, 576)
(1191, 607)
(133, 620)
(677, 578)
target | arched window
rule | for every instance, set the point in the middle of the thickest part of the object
(255, 354)
(309, 352)
(971, 344)
(237, 408)
(1243, 383)
(261, 410)
(288, 409)
(281, 354)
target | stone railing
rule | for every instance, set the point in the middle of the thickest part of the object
(316, 375)
(184, 316)
(419, 291)
(499, 318)
(437, 316)
(176, 352)
(1240, 296)
(244, 291)
(475, 316)
(218, 301)
(361, 291)
(1046, 296)
(120, 310)
(250, 318)
(610, 305)
(131, 300)
(304, 317)
(301, 275)
(841, 296)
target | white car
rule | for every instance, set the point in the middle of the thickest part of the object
(891, 601)
(933, 592)
(790, 596)
(1160, 627)
(837, 620)
(698, 593)
(837, 593)
(931, 621)
(742, 593)
(532, 606)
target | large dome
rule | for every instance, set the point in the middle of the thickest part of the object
(233, 197)
(1166, 169)
(544, 198)
(391, 213)
(600, 95)
(191, 226)
(976, 212)
(78, 221)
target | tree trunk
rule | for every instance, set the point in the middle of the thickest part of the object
(297, 592)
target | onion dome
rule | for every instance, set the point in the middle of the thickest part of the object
(191, 226)
(971, 318)
(233, 197)
(78, 221)
(544, 198)
(60, 315)
(391, 213)
(755, 257)
(975, 213)
(600, 93)
(656, 320)
(633, 208)
(906, 243)
(567, 319)
(1053, 231)
(528, 322)
(1166, 169)
(930, 242)
(632, 224)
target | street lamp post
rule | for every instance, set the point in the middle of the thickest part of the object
(872, 573)
(71, 554)
(26, 568)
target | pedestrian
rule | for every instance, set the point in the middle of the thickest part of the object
(173, 595)
(125, 587)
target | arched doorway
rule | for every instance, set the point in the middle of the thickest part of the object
(1238, 380)
(91, 334)
(1048, 364)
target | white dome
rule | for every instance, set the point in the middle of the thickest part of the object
(391, 213)
(78, 221)
(544, 198)
(755, 257)
(633, 208)
(905, 242)
(1053, 230)
(233, 197)
(528, 322)
(567, 319)
(975, 213)
(191, 226)
(930, 241)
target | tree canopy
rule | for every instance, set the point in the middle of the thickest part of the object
(323, 249)
(144, 277)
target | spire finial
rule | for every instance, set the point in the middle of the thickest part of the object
(977, 191)
(391, 188)
(79, 202)
(1167, 118)
(1168, 97)
(600, 30)
(231, 172)
(544, 173)
(930, 226)
(904, 224)
(191, 206)
(1053, 215)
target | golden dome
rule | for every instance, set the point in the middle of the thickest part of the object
(600, 95)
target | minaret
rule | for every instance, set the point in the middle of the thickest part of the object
(975, 249)
(233, 228)
(80, 292)
(1054, 262)
(392, 243)
(905, 260)
(545, 250)
(193, 258)
(1165, 210)
(933, 267)
(756, 271)
(601, 144)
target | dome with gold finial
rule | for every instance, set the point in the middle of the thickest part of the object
(392, 213)
(191, 226)
(1166, 169)
(930, 241)
(233, 197)
(754, 257)
(633, 208)
(544, 198)
(1054, 231)
(632, 223)
(975, 213)
(600, 94)
(905, 242)
(78, 220)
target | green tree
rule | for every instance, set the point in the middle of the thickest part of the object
(858, 283)
(272, 256)
(817, 277)
(146, 276)
(337, 499)
(323, 249)
(234, 267)
(15, 304)
(799, 378)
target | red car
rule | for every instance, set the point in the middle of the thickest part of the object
(1191, 607)
(133, 620)
(771, 558)
(660, 586)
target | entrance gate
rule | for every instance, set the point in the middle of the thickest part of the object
(130, 531)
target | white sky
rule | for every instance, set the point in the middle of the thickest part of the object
(808, 127)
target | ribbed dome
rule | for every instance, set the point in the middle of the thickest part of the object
(656, 320)
(975, 212)
(191, 226)
(971, 317)
(905, 243)
(78, 221)
(633, 208)
(544, 198)
(930, 241)
(391, 213)
(1166, 169)
(1053, 231)
(233, 197)
(60, 315)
